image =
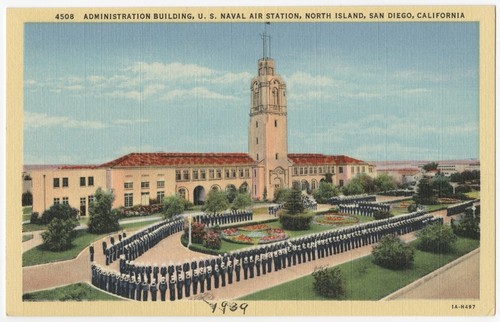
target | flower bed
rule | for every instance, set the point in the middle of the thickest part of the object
(332, 219)
(257, 234)
(254, 227)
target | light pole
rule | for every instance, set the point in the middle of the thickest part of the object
(190, 220)
(473, 211)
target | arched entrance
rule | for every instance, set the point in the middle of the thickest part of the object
(199, 195)
(296, 185)
(215, 187)
(243, 188)
(304, 185)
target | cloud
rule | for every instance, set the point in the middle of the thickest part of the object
(173, 71)
(129, 122)
(197, 93)
(40, 120)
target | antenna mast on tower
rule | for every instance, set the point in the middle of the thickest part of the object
(266, 45)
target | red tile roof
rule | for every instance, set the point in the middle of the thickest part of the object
(175, 159)
(313, 159)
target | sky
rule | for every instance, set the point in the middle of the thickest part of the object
(373, 91)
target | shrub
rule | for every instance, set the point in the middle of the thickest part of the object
(296, 222)
(412, 208)
(468, 224)
(436, 238)
(281, 195)
(27, 199)
(102, 218)
(216, 202)
(34, 218)
(294, 204)
(392, 253)
(212, 240)
(197, 232)
(329, 282)
(59, 211)
(60, 234)
(325, 192)
(173, 205)
(241, 201)
(380, 214)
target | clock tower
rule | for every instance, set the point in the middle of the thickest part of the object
(267, 130)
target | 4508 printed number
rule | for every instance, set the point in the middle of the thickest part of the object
(65, 16)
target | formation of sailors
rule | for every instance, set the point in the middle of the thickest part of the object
(139, 281)
(224, 218)
(337, 200)
(363, 208)
(273, 209)
(140, 242)
(459, 208)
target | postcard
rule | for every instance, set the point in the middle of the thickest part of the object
(251, 161)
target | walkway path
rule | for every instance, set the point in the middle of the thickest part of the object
(457, 280)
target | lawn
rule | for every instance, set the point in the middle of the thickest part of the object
(365, 280)
(33, 227)
(73, 292)
(474, 194)
(27, 237)
(27, 210)
(38, 255)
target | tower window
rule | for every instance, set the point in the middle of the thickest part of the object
(257, 140)
(256, 123)
(257, 157)
(276, 156)
(275, 123)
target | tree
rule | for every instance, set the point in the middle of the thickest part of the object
(59, 211)
(264, 194)
(393, 253)
(216, 202)
(60, 234)
(352, 188)
(468, 225)
(293, 204)
(281, 195)
(425, 193)
(241, 201)
(325, 191)
(329, 282)
(231, 193)
(436, 238)
(27, 199)
(102, 217)
(329, 177)
(441, 186)
(430, 166)
(173, 205)
(384, 182)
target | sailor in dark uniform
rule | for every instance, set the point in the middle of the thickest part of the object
(154, 291)
(145, 290)
(263, 259)
(237, 268)
(180, 285)
(230, 269)
(223, 270)
(172, 283)
(187, 283)
(245, 267)
(195, 281)
(91, 251)
(163, 289)
(257, 264)
(208, 277)
(201, 277)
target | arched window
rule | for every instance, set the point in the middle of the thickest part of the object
(183, 193)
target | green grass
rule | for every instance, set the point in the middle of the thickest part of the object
(27, 237)
(261, 211)
(365, 280)
(432, 208)
(33, 227)
(73, 292)
(26, 217)
(38, 255)
(27, 210)
(474, 194)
